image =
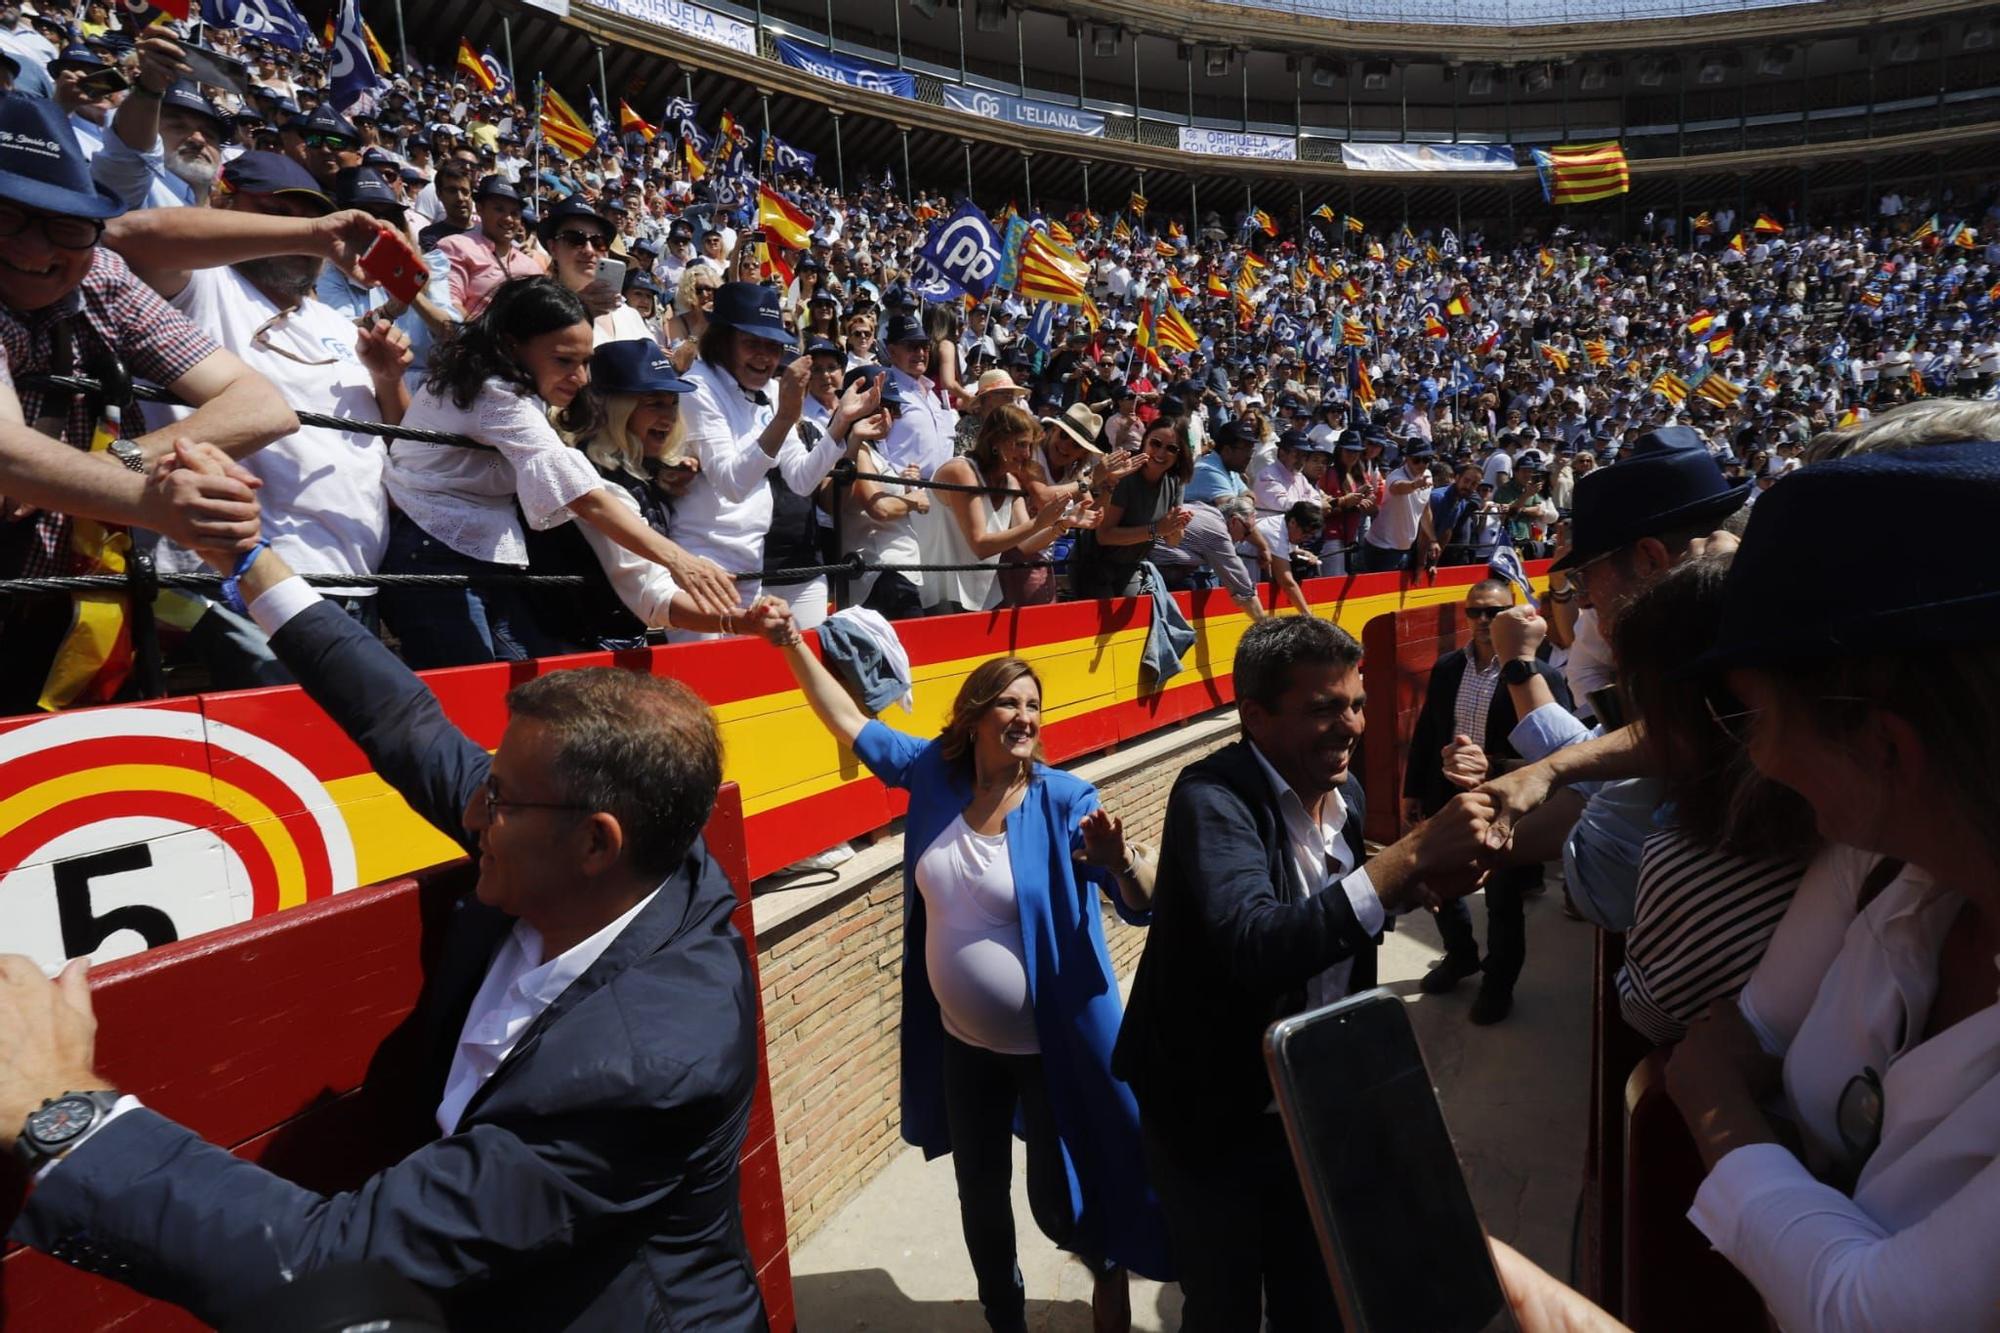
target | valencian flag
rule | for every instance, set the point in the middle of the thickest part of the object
(562, 127)
(1121, 231)
(1251, 269)
(1965, 237)
(1171, 329)
(1599, 354)
(1353, 333)
(1766, 225)
(1359, 384)
(629, 120)
(1555, 356)
(1325, 213)
(1404, 264)
(1262, 221)
(1718, 390)
(1165, 249)
(1049, 272)
(1137, 204)
(782, 219)
(474, 68)
(1925, 229)
(1351, 223)
(1670, 387)
(1583, 173)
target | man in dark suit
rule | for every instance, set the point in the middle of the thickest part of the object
(1263, 908)
(593, 1018)
(1459, 741)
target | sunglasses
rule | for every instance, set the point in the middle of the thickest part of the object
(335, 142)
(1484, 612)
(578, 238)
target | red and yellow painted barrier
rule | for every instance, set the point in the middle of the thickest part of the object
(127, 827)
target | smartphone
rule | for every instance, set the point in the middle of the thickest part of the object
(101, 83)
(1402, 1243)
(217, 69)
(612, 271)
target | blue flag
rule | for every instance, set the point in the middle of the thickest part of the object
(350, 69)
(965, 250)
(927, 283)
(786, 160)
(503, 82)
(599, 126)
(1010, 250)
(1041, 330)
(273, 20)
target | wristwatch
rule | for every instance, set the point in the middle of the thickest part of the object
(60, 1124)
(128, 453)
(1517, 672)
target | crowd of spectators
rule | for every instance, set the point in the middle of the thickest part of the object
(1793, 835)
(1386, 396)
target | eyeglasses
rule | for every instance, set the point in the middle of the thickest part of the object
(573, 236)
(494, 804)
(1737, 723)
(64, 233)
(1579, 575)
(262, 338)
(333, 141)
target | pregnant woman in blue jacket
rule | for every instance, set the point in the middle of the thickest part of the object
(1010, 1002)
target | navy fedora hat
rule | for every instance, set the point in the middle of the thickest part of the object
(1667, 479)
(635, 366)
(41, 165)
(752, 308)
(891, 395)
(1771, 616)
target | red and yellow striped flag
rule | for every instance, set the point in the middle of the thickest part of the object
(470, 65)
(562, 127)
(1583, 173)
(1048, 272)
(783, 219)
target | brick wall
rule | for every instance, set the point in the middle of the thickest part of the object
(832, 1004)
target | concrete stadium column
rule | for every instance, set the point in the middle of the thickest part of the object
(1085, 164)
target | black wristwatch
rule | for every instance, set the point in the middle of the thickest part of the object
(1517, 672)
(60, 1124)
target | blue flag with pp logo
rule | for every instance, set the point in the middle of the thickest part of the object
(965, 250)
(273, 20)
(350, 69)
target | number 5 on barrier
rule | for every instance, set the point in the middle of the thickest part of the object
(396, 266)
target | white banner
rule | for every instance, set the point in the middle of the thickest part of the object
(688, 19)
(560, 8)
(1427, 157)
(1238, 143)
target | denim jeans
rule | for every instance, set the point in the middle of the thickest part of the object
(1372, 559)
(440, 627)
(981, 1090)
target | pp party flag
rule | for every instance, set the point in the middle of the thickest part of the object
(1049, 272)
(1702, 319)
(561, 125)
(1718, 390)
(1721, 342)
(1458, 305)
(1599, 354)
(1216, 286)
(786, 160)
(1555, 356)
(600, 127)
(630, 120)
(1171, 329)
(1583, 173)
(1137, 204)
(503, 82)
(350, 68)
(1927, 228)
(1353, 333)
(1435, 327)
(1041, 330)
(272, 20)
(1670, 387)
(965, 249)
(473, 67)
(1766, 225)
(1736, 243)
(782, 218)
(1263, 223)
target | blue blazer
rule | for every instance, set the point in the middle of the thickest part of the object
(591, 1182)
(1071, 982)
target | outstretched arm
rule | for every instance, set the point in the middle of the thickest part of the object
(825, 695)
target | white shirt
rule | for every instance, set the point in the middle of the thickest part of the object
(1915, 1246)
(1395, 528)
(1589, 667)
(324, 505)
(465, 497)
(1497, 465)
(924, 432)
(727, 509)
(973, 953)
(519, 984)
(1320, 857)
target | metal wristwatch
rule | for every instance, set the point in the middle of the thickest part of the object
(60, 1124)
(128, 453)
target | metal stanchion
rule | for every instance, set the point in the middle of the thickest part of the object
(142, 586)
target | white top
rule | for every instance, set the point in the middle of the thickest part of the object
(1915, 1246)
(942, 543)
(621, 323)
(924, 432)
(889, 541)
(645, 587)
(726, 511)
(1498, 464)
(465, 497)
(972, 941)
(519, 984)
(1320, 858)
(1590, 666)
(324, 507)
(1395, 527)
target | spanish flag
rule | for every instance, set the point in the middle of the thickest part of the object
(696, 168)
(1766, 225)
(781, 218)
(474, 68)
(1458, 305)
(1317, 269)
(1721, 343)
(1215, 286)
(1435, 328)
(1176, 287)
(1736, 242)
(1546, 262)
(1702, 319)
(629, 120)
(772, 266)
(1488, 343)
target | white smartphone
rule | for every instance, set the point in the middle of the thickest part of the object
(612, 271)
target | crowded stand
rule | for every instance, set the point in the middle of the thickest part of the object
(502, 384)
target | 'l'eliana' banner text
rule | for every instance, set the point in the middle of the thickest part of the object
(126, 827)
(1024, 111)
(846, 69)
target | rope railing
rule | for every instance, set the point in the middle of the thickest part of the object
(152, 393)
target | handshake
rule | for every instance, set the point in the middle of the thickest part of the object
(203, 499)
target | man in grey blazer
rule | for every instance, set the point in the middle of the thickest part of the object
(591, 1018)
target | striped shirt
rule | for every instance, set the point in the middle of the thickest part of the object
(1702, 921)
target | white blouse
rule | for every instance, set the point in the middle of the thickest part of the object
(465, 497)
(1917, 1246)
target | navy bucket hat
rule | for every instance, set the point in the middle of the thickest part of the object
(635, 366)
(41, 165)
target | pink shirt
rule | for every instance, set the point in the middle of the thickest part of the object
(476, 270)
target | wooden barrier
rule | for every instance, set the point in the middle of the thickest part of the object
(285, 1039)
(1398, 651)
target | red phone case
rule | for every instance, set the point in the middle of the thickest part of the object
(396, 266)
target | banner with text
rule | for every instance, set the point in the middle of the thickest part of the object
(1427, 156)
(1238, 143)
(689, 19)
(847, 70)
(1024, 111)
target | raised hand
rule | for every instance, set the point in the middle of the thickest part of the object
(771, 618)
(792, 388)
(160, 64)
(345, 236)
(383, 348)
(1518, 632)
(1465, 762)
(1103, 841)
